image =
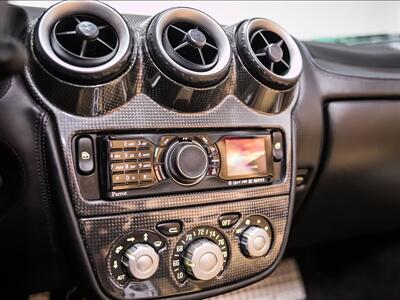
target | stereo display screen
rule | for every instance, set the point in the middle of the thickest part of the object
(246, 157)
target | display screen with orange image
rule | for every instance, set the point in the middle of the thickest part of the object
(246, 157)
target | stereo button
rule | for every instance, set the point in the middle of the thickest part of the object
(213, 171)
(145, 165)
(117, 144)
(117, 155)
(118, 167)
(144, 154)
(212, 150)
(120, 178)
(131, 166)
(131, 178)
(165, 140)
(170, 228)
(204, 139)
(131, 154)
(145, 177)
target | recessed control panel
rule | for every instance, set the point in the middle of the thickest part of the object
(200, 254)
(149, 164)
(180, 251)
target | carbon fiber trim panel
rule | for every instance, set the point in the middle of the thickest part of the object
(140, 101)
(141, 113)
(101, 233)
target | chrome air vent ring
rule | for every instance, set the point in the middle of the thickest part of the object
(189, 46)
(102, 59)
(269, 53)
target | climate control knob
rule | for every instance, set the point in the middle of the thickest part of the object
(255, 241)
(203, 259)
(186, 162)
(141, 261)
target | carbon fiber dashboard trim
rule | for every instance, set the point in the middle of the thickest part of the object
(101, 233)
(141, 113)
(137, 102)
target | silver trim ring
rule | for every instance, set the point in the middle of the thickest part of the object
(296, 61)
(95, 8)
(208, 23)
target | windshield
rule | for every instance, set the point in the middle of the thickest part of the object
(325, 21)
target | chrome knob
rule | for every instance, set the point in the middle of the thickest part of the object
(141, 261)
(255, 241)
(203, 259)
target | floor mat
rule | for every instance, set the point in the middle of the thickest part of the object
(285, 283)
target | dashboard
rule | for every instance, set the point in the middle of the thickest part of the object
(173, 157)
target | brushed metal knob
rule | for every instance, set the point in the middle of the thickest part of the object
(141, 261)
(203, 259)
(255, 241)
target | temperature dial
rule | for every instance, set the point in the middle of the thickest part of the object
(186, 162)
(203, 259)
(202, 253)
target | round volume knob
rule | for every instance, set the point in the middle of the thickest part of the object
(141, 261)
(187, 162)
(255, 242)
(203, 259)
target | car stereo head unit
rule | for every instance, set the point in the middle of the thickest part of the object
(149, 164)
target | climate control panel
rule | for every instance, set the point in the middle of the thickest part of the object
(200, 254)
(137, 165)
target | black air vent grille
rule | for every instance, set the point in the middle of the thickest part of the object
(190, 45)
(84, 40)
(271, 51)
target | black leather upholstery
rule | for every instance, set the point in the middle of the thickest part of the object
(30, 258)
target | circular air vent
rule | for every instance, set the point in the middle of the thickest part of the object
(189, 46)
(269, 53)
(83, 40)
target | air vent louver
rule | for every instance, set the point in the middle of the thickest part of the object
(84, 40)
(189, 46)
(269, 53)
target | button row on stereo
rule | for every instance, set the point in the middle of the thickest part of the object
(214, 160)
(132, 178)
(130, 167)
(121, 144)
(128, 155)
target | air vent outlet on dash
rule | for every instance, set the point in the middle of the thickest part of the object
(269, 53)
(189, 46)
(83, 41)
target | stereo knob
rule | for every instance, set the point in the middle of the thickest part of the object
(255, 241)
(141, 261)
(203, 259)
(187, 162)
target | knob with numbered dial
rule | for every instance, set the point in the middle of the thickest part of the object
(203, 259)
(141, 261)
(186, 162)
(255, 241)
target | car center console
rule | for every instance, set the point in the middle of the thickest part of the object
(176, 136)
